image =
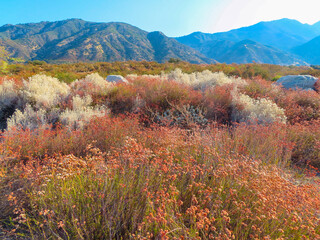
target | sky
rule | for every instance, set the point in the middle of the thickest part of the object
(172, 17)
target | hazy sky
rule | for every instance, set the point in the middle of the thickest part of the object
(173, 17)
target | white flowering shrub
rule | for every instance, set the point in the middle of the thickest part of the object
(80, 103)
(8, 93)
(75, 118)
(34, 104)
(261, 110)
(44, 92)
(32, 119)
(197, 80)
(10, 100)
(163, 76)
(203, 80)
(92, 84)
(81, 112)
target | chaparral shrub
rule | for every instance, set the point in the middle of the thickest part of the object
(261, 110)
(92, 84)
(32, 119)
(44, 91)
(203, 80)
(10, 100)
(180, 155)
(218, 104)
(81, 112)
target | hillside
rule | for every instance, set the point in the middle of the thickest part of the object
(309, 51)
(283, 34)
(166, 48)
(77, 40)
(247, 51)
(24, 40)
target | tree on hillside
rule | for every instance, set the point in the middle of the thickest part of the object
(4, 57)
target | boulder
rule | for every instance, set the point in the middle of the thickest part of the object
(305, 82)
(116, 79)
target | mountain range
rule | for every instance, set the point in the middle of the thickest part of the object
(277, 42)
(283, 42)
(247, 51)
(77, 40)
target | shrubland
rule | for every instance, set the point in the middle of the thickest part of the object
(70, 72)
(171, 155)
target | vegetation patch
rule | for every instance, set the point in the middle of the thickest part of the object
(182, 154)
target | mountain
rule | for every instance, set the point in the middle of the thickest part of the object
(309, 51)
(283, 34)
(247, 51)
(166, 48)
(76, 40)
(23, 40)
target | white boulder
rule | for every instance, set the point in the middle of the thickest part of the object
(305, 82)
(116, 79)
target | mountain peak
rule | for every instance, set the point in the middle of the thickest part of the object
(285, 20)
(157, 34)
(70, 20)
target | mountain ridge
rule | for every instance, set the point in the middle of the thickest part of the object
(248, 51)
(277, 38)
(292, 32)
(74, 40)
(78, 40)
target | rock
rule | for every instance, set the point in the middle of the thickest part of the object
(116, 79)
(305, 82)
